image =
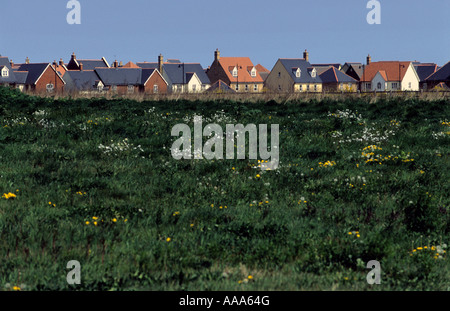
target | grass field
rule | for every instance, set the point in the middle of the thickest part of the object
(94, 181)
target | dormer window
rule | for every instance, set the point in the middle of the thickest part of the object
(5, 72)
(235, 72)
(313, 73)
(253, 72)
(297, 72)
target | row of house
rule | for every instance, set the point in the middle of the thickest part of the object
(226, 74)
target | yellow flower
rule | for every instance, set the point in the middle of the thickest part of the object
(16, 288)
(87, 222)
(192, 225)
(212, 205)
(168, 239)
(95, 223)
(257, 176)
(250, 277)
(350, 233)
(95, 218)
(114, 219)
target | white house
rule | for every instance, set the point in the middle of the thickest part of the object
(390, 76)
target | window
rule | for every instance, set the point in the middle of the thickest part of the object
(237, 87)
(409, 85)
(253, 72)
(341, 86)
(194, 87)
(313, 73)
(307, 88)
(379, 85)
(300, 87)
(235, 72)
(315, 87)
(279, 75)
(255, 87)
(298, 73)
(130, 88)
(5, 72)
(155, 88)
(50, 87)
(114, 88)
(203, 87)
(394, 85)
(246, 87)
(100, 87)
(368, 86)
(279, 87)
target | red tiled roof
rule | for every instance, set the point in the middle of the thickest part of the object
(242, 63)
(390, 71)
(131, 65)
(261, 68)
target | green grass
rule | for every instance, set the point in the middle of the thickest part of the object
(288, 228)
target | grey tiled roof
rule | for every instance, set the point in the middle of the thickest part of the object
(442, 74)
(120, 76)
(304, 66)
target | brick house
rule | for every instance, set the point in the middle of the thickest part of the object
(152, 82)
(239, 73)
(86, 64)
(40, 77)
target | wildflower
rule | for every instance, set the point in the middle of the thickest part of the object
(95, 218)
(16, 288)
(95, 223)
(114, 220)
(257, 176)
(168, 239)
(9, 195)
(87, 222)
(250, 277)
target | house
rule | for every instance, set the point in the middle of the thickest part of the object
(39, 77)
(219, 87)
(86, 64)
(389, 76)
(424, 70)
(354, 70)
(120, 80)
(263, 72)
(83, 81)
(8, 76)
(321, 68)
(152, 82)
(334, 80)
(239, 73)
(442, 75)
(294, 75)
(181, 77)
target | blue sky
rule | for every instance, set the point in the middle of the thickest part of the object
(190, 30)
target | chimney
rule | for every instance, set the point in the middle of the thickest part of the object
(54, 63)
(217, 55)
(74, 57)
(306, 55)
(369, 59)
(81, 66)
(11, 63)
(27, 60)
(160, 63)
(116, 64)
(61, 62)
(121, 64)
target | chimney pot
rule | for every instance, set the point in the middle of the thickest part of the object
(27, 60)
(160, 63)
(306, 55)
(61, 62)
(369, 59)
(116, 64)
(217, 55)
(74, 56)
(11, 63)
(81, 66)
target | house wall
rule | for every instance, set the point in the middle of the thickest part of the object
(336, 87)
(123, 90)
(155, 79)
(216, 73)
(303, 87)
(251, 87)
(195, 81)
(410, 78)
(279, 78)
(378, 79)
(49, 76)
